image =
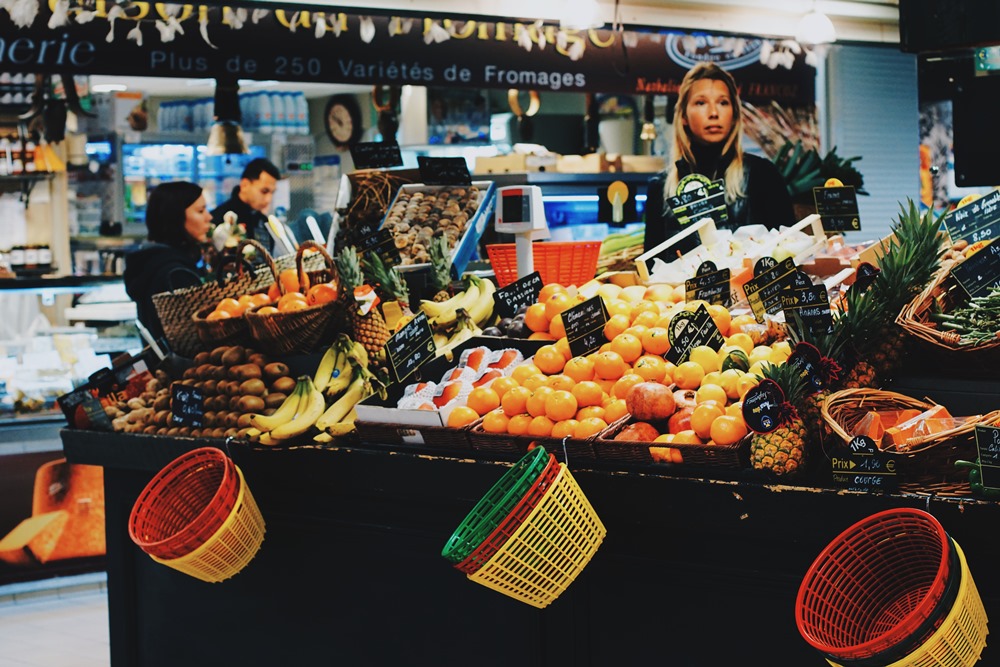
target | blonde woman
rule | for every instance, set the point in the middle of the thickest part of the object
(708, 134)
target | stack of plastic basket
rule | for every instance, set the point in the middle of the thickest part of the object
(532, 533)
(197, 515)
(892, 590)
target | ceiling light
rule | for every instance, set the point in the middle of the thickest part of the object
(581, 15)
(815, 28)
(108, 87)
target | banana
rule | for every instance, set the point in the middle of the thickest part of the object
(323, 438)
(448, 318)
(435, 308)
(266, 439)
(466, 329)
(310, 409)
(326, 367)
(482, 310)
(343, 406)
(285, 412)
(440, 340)
(344, 426)
(360, 354)
(341, 376)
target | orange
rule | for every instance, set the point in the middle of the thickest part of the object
(563, 346)
(746, 383)
(651, 368)
(643, 307)
(540, 335)
(702, 418)
(637, 330)
(291, 296)
(273, 293)
(495, 421)
(266, 310)
(722, 317)
(462, 416)
(742, 324)
(515, 401)
(655, 341)
(503, 384)
(289, 279)
(260, 299)
(646, 319)
(590, 426)
(518, 424)
(560, 381)
(540, 427)
(218, 315)
(726, 430)
(245, 301)
(535, 318)
(550, 290)
(605, 385)
(671, 368)
(293, 305)
(536, 402)
(688, 375)
(535, 381)
(231, 306)
(615, 410)
(687, 437)
(588, 393)
(711, 392)
(618, 307)
(549, 359)
(564, 429)
(556, 327)
(730, 383)
(524, 371)
(625, 383)
(483, 400)
(560, 405)
(615, 325)
(580, 369)
(556, 304)
(735, 410)
(610, 365)
(628, 346)
(321, 293)
(590, 412)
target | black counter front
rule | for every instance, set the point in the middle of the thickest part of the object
(692, 572)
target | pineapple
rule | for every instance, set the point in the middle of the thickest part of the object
(389, 284)
(830, 346)
(782, 451)
(440, 276)
(862, 375)
(369, 329)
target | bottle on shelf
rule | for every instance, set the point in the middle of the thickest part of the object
(17, 258)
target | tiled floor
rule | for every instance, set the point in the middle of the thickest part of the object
(60, 624)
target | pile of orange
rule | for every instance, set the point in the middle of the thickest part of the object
(289, 297)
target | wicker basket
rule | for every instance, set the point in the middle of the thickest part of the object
(233, 330)
(928, 464)
(299, 331)
(504, 445)
(735, 456)
(915, 319)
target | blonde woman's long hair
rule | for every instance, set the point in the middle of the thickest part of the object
(681, 149)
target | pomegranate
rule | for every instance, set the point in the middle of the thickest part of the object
(685, 398)
(638, 432)
(680, 420)
(649, 401)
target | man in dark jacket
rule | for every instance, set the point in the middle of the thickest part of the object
(251, 200)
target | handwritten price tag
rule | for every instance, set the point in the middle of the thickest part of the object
(709, 284)
(187, 405)
(524, 292)
(411, 347)
(976, 221)
(763, 291)
(861, 466)
(584, 326)
(988, 444)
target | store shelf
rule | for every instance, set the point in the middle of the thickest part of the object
(56, 285)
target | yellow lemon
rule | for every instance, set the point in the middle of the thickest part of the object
(741, 340)
(730, 382)
(759, 354)
(705, 357)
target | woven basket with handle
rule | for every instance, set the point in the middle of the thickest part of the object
(233, 330)
(300, 331)
(927, 463)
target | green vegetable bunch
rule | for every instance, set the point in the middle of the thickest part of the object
(803, 169)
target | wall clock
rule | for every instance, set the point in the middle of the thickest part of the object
(343, 120)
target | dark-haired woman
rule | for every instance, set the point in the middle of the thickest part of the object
(708, 136)
(178, 222)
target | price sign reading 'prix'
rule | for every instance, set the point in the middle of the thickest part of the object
(860, 466)
(810, 303)
(979, 273)
(703, 201)
(688, 330)
(383, 243)
(444, 170)
(522, 292)
(709, 284)
(411, 347)
(584, 326)
(376, 155)
(763, 291)
(187, 404)
(838, 207)
(978, 220)
(988, 444)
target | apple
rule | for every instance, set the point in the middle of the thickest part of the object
(680, 420)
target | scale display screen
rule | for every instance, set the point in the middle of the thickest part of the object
(516, 207)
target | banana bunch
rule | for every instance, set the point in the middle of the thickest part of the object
(465, 329)
(349, 382)
(476, 300)
(296, 415)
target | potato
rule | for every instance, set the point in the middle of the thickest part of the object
(173, 430)
(229, 419)
(232, 432)
(135, 403)
(201, 358)
(283, 385)
(274, 399)
(234, 356)
(233, 388)
(247, 404)
(275, 370)
(253, 387)
(215, 356)
(184, 430)
(208, 418)
(219, 372)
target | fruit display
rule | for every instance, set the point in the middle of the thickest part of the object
(420, 213)
(365, 323)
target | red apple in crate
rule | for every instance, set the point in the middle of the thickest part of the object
(650, 401)
(680, 420)
(638, 432)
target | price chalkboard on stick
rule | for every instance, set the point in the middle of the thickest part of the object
(382, 243)
(980, 272)
(763, 291)
(861, 466)
(376, 155)
(709, 284)
(411, 347)
(978, 220)
(838, 208)
(704, 201)
(187, 405)
(522, 292)
(810, 303)
(988, 444)
(584, 326)
(444, 170)
(688, 330)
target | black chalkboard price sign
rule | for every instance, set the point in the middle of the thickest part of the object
(763, 291)
(444, 170)
(988, 444)
(838, 207)
(376, 155)
(584, 326)
(864, 277)
(522, 292)
(706, 201)
(411, 347)
(812, 305)
(979, 273)
(762, 406)
(187, 404)
(860, 466)
(383, 243)
(688, 330)
(709, 284)
(976, 221)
